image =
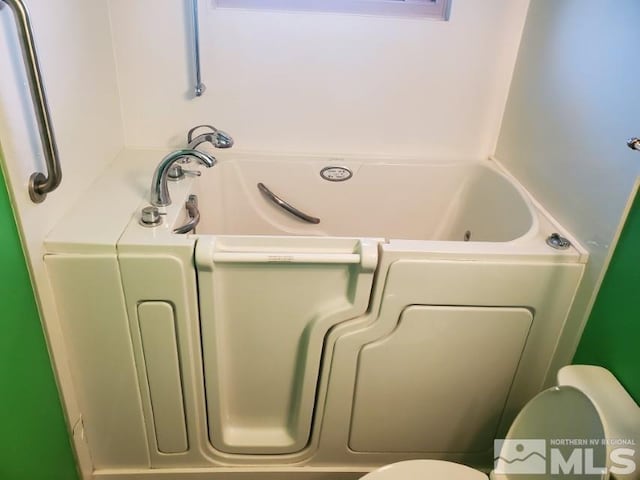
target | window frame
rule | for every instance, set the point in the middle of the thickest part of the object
(434, 9)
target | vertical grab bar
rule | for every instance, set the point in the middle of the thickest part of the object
(39, 183)
(200, 87)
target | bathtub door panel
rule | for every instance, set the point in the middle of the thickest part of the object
(439, 381)
(264, 317)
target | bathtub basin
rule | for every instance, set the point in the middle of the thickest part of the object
(384, 200)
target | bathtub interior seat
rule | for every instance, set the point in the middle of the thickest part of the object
(266, 305)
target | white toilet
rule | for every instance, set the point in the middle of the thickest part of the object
(587, 406)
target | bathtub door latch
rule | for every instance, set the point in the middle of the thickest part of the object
(194, 216)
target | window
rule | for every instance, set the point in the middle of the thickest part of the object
(438, 9)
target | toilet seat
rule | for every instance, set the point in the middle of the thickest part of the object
(425, 470)
(557, 413)
(561, 418)
(562, 412)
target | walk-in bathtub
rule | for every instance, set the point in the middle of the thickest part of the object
(411, 317)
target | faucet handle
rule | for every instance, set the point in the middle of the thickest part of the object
(177, 173)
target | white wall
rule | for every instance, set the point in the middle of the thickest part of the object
(320, 83)
(575, 99)
(74, 44)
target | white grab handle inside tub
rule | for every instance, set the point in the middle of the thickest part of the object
(250, 257)
(300, 250)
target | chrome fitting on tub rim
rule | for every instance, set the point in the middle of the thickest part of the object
(555, 240)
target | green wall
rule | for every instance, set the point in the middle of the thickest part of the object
(34, 443)
(612, 335)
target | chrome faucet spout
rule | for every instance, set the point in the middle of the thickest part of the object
(159, 189)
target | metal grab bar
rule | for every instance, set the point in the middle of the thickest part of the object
(200, 87)
(39, 183)
(194, 216)
(286, 206)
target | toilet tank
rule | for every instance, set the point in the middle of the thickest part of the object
(619, 413)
